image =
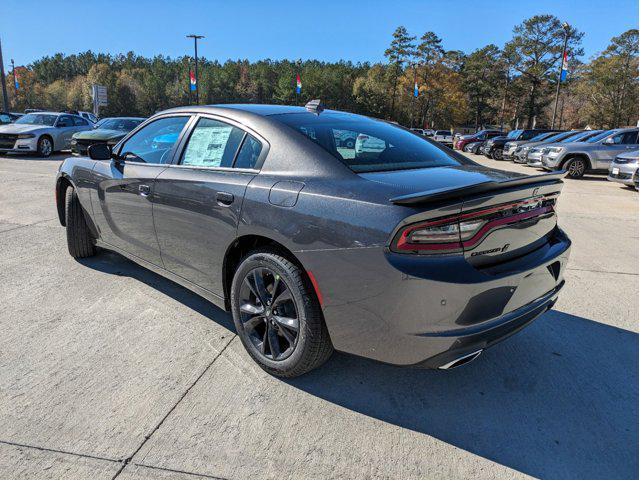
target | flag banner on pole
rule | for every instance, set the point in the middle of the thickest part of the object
(298, 84)
(193, 80)
(416, 90)
(16, 84)
(564, 67)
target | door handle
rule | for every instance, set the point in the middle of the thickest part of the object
(224, 199)
(144, 190)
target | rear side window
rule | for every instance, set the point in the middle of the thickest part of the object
(212, 144)
(377, 145)
(249, 153)
(626, 138)
(80, 122)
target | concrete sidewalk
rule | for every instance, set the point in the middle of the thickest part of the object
(108, 370)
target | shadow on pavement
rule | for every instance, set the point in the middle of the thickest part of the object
(558, 400)
(115, 264)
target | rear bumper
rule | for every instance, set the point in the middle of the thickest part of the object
(420, 310)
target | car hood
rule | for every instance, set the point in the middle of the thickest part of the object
(438, 178)
(22, 128)
(100, 134)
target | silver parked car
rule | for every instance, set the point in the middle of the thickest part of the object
(595, 154)
(533, 155)
(623, 167)
(42, 133)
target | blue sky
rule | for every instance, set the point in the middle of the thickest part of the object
(326, 29)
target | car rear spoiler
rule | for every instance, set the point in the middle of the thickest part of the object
(431, 196)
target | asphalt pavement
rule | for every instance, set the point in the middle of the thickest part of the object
(109, 370)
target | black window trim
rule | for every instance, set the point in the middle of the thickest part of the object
(186, 135)
(118, 147)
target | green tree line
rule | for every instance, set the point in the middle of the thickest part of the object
(512, 86)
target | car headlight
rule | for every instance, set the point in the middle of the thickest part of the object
(555, 149)
(535, 150)
(26, 135)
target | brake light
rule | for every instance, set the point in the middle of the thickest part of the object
(454, 233)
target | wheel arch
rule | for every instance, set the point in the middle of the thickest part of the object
(571, 156)
(240, 247)
(61, 185)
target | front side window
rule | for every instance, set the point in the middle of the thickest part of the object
(626, 138)
(212, 144)
(65, 121)
(378, 146)
(80, 122)
(154, 142)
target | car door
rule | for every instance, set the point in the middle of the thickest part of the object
(65, 128)
(621, 142)
(123, 207)
(198, 200)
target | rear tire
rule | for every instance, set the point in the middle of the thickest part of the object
(296, 351)
(79, 240)
(576, 167)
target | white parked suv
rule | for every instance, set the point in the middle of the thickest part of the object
(443, 136)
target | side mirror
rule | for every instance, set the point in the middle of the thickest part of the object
(608, 141)
(99, 151)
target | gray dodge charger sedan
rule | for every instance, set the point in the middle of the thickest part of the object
(405, 252)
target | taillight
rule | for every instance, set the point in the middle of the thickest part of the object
(454, 233)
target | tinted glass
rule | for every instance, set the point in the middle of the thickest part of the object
(249, 153)
(379, 145)
(627, 138)
(65, 121)
(527, 135)
(212, 144)
(443, 132)
(80, 122)
(153, 143)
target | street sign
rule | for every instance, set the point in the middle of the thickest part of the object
(99, 93)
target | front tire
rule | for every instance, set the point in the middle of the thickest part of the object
(45, 146)
(79, 240)
(498, 154)
(278, 316)
(576, 167)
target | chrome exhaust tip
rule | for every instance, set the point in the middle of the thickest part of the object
(458, 362)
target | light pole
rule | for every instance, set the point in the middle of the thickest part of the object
(197, 81)
(566, 28)
(5, 97)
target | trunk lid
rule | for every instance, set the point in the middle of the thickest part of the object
(516, 212)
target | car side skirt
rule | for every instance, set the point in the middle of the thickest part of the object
(214, 298)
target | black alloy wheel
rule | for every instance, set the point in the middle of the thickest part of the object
(278, 315)
(498, 154)
(269, 314)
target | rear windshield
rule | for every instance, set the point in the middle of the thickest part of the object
(443, 132)
(368, 145)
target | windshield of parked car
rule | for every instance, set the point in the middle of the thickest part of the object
(601, 136)
(38, 119)
(443, 132)
(124, 124)
(514, 134)
(378, 146)
(575, 137)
